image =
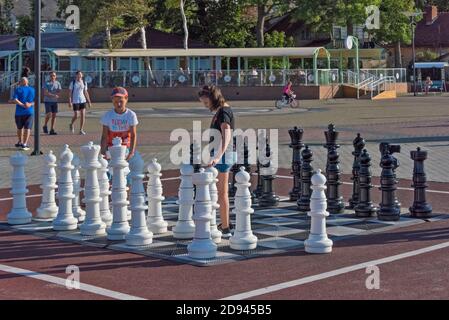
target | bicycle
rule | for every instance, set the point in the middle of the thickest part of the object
(292, 102)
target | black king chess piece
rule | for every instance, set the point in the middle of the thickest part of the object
(306, 183)
(420, 207)
(335, 203)
(296, 144)
(365, 207)
(390, 208)
(359, 144)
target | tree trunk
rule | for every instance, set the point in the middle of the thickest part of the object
(260, 28)
(398, 55)
(184, 23)
(109, 41)
(147, 61)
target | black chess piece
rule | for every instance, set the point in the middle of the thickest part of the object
(331, 137)
(268, 197)
(335, 203)
(196, 166)
(236, 168)
(390, 208)
(296, 144)
(365, 207)
(306, 183)
(420, 207)
(232, 189)
(359, 144)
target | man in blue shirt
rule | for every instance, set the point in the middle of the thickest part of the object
(24, 100)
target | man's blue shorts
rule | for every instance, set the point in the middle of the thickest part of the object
(227, 162)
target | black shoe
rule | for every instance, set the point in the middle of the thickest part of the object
(45, 129)
(225, 232)
(53, 132)
(18, 145)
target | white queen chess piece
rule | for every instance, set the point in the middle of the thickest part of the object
(155, 222)
(19, 213)
(202, 246)
(139, 234)
(185, 228)
(93, 225)
(243, 237)
(103, 180)
(120, 225)
(215, 233)
(65, 220)
(78, 213)
(318, 242)
(48, 209)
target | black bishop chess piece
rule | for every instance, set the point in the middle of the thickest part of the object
(359, 144)
(365, 207)
(390, 208)
(296, 145)
(306, 180)
(420, 207)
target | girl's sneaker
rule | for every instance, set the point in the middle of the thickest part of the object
(18, 145)
(25, 147)
(225, 232)
(82, 133)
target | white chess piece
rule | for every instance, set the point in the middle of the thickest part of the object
(48, 209)
(139, 235)
(103, 180)
(65, 220)
(202, 246)
(243, 237)
(185, 228)
(215, 233)
(120, 226)
(78, 213)
(19, 213)
(155, 222)
(318, 242)
(93, 225)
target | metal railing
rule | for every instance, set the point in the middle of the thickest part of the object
(380, 85)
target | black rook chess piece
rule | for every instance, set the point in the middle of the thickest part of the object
(365, 207)
(296, 135)
(306, 176)
(390, 208)
(268, 197)
(359, 144)
(420, 207)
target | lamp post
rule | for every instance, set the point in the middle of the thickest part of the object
(351, 42)
(413, 16)
(37, 72)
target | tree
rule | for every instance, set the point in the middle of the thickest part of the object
(278, 39)
(6, 7)
(181, 5)
(26, 23)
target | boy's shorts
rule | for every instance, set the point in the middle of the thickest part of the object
(79, 106)
(51, 107)
(227, 162)
(24, 122)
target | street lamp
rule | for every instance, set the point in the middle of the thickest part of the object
(37, 72)
(413, 16)
(350, 42)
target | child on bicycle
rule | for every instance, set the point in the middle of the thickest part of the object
(287, 91)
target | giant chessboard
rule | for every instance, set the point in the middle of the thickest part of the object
(278, 230)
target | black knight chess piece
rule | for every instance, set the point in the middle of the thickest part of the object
(306, 176)
(359, 144)
(296, 144)
(390, 208)
(420, 207)
(365, 207)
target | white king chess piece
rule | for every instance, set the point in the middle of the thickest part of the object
(243, 237)
(120, 225)
(155, 222)
(78, 213)
(318, 242)
(65, 220)
(93, 225)
(185, 228)
(215, 233)
(103, 180)
(19, 213)
(202, 246)
(48, 209)
(139, 234)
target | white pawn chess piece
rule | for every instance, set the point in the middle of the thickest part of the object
(202, 246)
(120, 226)
(65, 220)
(155, 222)
(78, 213)
(318, 242)
(214, 232)
(93, 225)
(48, 209)
(185, 228)
(243, 237)
(103, 180)
(139, 235)
(19, 213)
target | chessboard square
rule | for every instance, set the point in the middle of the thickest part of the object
(368, 225)
(124, 247)
(341, 231)
(273, 212)
(221, 257)
(336, 220)
(277, 231)
(34, 227)
(280, 243)
(76, 236)
(282, 221)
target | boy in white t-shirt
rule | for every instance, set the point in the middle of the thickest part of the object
(119, 122)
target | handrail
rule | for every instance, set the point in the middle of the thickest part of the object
(382, 81)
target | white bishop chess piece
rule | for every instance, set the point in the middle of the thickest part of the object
(78, 213)
(318, 242)
(185, 228)
(19, 213)
(48, 209)
(156, 222)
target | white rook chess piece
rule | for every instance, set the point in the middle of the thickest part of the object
(243, 237)
(19, 213)
(103, 180)
(318, 242)
(202, 246)
(214, 232)
(48, 209)
(139, 234)
(65, 220)
(93, 225)
(120, 226)
(78, 213)
(185, 228)
(156, 222)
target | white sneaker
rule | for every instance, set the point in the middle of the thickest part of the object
(82, 133)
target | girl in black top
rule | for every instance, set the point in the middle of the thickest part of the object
(223, 121)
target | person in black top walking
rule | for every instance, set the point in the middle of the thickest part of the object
(222, 159)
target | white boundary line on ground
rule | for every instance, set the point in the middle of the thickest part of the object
(334, 273)
(62, 282)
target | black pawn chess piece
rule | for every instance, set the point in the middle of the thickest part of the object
(268, 197)
(258, 190)
(232, 188)
(365, 207)
(296, 135)
(335, 203)
(359, 144)
(306, 183)
(390, 208)
(420, 207)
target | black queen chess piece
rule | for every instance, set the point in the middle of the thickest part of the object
(296, 145)
(420, 207)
